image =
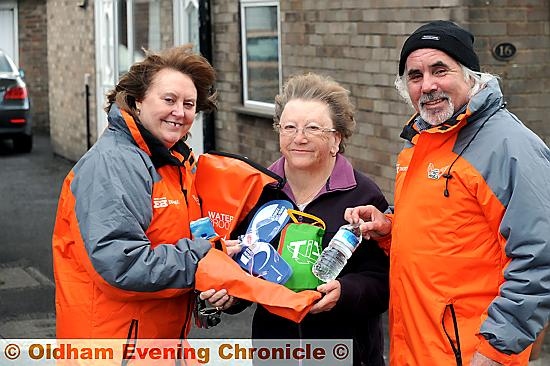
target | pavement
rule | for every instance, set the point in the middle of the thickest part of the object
(30, 184)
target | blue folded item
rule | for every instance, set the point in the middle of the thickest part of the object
(202, 228)
(262, 260)
(269, 220)
(258, 257)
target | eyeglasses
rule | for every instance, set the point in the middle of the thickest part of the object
(309, 130)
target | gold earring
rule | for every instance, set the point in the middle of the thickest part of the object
(138, 111)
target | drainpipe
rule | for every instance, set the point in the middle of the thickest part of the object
(87, 95)
(205, 46)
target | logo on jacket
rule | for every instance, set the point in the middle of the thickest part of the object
(196, 199)
(400, 168)
(220, 220)
(162, 202)
(436, 173)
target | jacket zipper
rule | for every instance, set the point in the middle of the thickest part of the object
(182, 186)
(454, 345)
(131, 340)
(190, 309)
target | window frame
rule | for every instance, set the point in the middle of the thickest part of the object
(249, 103)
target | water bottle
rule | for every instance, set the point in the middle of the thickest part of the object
(335, 256)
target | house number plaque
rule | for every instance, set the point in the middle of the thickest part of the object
(504, 51)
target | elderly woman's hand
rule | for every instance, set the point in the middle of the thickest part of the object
(331, 291)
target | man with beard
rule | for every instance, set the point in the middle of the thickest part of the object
(469, 235)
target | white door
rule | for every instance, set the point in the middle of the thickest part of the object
(8, 29)
(124, 27)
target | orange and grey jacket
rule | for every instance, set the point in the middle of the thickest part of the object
(470, 241)
(123, 263)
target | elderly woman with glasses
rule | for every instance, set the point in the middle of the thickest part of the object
(314, 118)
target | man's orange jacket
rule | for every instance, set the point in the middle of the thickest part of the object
(470, 243)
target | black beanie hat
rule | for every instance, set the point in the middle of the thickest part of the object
(444, 36)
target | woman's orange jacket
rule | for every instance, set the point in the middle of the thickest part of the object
(122, 264)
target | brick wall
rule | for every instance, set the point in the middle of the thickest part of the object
(358, 43)
(226, 59)
(71, 53)
(525, 77)
(32, 58)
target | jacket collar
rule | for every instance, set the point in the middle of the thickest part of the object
(120, 120)
(342, 177)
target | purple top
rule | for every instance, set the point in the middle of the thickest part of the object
(341, 178)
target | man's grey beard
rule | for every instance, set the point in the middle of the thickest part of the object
(439, 116)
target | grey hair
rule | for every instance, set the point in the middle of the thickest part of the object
(480, 79)
(316, 87)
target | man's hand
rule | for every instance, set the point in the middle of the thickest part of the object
(332, 294)
(374, 224)
(480, 360)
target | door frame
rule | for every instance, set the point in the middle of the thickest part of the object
(107, 58)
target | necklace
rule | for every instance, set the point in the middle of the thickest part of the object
(303, 200)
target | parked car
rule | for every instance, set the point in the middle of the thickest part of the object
(15, 113)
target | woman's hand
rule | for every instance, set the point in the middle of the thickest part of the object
(374, 224)
(232, 246)
(331, 291)
(221, 300)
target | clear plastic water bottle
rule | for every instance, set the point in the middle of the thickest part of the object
(335, 256)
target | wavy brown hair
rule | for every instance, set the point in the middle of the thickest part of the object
(324, 89)
(133, 85)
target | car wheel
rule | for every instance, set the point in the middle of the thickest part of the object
(22, 144)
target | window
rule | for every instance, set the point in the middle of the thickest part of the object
(261, 52)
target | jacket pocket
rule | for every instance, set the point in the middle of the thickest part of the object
(450, 328)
